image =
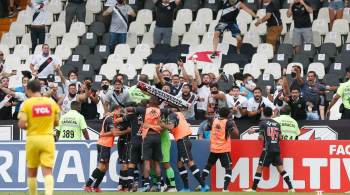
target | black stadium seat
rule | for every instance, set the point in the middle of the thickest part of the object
(286, 49)
(82, 50)
(322, 58)
(303, 59)
(282, 59)
(263, 82)
(89, 39)
(98, 28)
(215, 6)
(308, 50)
(330, 49)
(193, 5)
(95, 62)
(103, 51)
(248, 50)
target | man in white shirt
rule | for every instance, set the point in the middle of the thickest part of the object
(203, 92)
(44, 64)
(237, 102)
(40, 19)
(257, 104)
(189, 97)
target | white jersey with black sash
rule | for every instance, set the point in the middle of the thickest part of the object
(40, 15)
(45, 65)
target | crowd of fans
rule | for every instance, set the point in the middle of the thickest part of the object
(206, 93)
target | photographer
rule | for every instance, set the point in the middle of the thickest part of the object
(89, 107)
(53, 90)
(257, 104)
(216, 99)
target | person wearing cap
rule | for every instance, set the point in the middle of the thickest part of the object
(53, 90)
(343, 92)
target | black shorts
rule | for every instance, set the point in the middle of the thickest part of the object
(225, 159)
(268, 158)
(134, 152)
(151, 148)
(123, 151)
(184, 147)
(103, 154)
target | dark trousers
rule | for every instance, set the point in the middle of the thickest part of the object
(37, 35)
(74, 9)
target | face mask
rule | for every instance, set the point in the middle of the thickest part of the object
(73, 81)
(105, 87)
(167, 79)
(120, 1)
(266, 4)
(293, 74)
(72, 95)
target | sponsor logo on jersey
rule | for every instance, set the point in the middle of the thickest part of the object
(41, 110)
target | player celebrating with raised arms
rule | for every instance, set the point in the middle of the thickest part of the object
(270, 130)
(223, 129)
(38, 115)
(181, 130)
(228, 20)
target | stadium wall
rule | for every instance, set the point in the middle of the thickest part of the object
(312, 165)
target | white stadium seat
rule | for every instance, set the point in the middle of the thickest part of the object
(58, 29)
(274, 69)
(144, 16)
(204, 15)
(143, 50)
(267, 49)
(71, 40)
(333, 37)
(8, 39)
(184, 16)
(21, 51)
(63, 52)
(231, 68)
(318, 68)
(78, 28)
(123, 50)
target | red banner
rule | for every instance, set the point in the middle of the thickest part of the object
(311, 165)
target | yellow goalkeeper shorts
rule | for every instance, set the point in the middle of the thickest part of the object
(40, 151)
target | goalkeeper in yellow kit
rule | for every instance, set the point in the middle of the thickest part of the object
(38, 115)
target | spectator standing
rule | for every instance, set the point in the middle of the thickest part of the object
(173, 80)
(105, 87)
(343, 92)
(119, 96)
(72, 95)
(336, 8)
(21, 89)
(2, 67)
(216, 99)
(75, 8)
(247, 86)
(302, 32)
(237, 103)
(72, 79)
(72, 125)
(89, 107)
(257, 104)
(274, 23)
(6, 100)
(297, 105)
(165, 11)
(119, 22)
(203, 91)
(44, 64)
(40, 19)
(190, 98)
(228, 21)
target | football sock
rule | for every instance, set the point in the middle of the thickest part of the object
(206, 172)
(197, 174)
(286, 178)
(227, 180)
(32, 185)
(99, 178)
(130, 177)
(93, 177)
(48, 180)
(170, 177)
(184, 176)
(257, 178)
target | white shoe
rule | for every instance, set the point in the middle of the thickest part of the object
(249, 190)
(225, 190)
(291, 190)
(171, 190)
(163, 188)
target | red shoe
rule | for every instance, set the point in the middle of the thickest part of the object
(97, 190)
(88, 189)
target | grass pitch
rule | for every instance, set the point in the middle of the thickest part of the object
(166, 193)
